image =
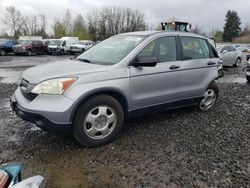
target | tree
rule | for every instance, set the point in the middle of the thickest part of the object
(109, 21)
(232, 26)
(63, 27)
(13, 20)
(79, 28)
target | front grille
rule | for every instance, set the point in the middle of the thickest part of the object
(24, 83)
(27, 94)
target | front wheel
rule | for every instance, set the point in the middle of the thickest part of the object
(237, 62)
(98, 121)
(210, 97)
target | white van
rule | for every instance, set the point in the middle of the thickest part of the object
(61, 46)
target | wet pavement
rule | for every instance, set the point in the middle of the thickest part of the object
(180, 148)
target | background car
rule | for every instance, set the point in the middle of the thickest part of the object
(81, 46)
(230, 55)
(6, 46)
(30, 47)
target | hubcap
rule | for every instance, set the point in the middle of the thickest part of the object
(208, 101)
(100, 122)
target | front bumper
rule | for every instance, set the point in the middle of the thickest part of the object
(54, 50)
(44, 117)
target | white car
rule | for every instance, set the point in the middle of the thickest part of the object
(81, 46)
(230, 55)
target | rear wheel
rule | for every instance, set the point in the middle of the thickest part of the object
(98, 121)
(248, 78)
(237, 62)
(2, 52)
(210, 97)
(28, 53)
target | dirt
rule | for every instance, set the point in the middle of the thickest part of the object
(180, 148)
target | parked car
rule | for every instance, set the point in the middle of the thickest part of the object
(61, 46)
(127, 75)
(81, 46)
(230, 55)
(247, 50)
(6, 46)
(30, 47)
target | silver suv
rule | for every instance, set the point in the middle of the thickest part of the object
(124, 76)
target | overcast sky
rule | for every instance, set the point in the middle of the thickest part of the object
(207, 14)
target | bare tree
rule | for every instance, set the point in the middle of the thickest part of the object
(109, 21)
(13, 20)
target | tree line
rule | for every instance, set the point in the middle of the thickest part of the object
(107, 21)
(97, 25)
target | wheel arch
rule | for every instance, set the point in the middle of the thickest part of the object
(105, 91)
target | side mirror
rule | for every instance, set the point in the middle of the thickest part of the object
(224, 51)
(145, 62)
(64, 43)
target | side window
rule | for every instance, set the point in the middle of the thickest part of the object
(164, 49)
(194, 48)
(223, 49)
(231, 49)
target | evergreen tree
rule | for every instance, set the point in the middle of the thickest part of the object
(232, 26)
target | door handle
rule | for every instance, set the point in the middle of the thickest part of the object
(211, 63)
(174, 67)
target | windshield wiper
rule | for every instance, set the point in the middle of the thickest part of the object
(84, 60)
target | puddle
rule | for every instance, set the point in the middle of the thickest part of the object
(9, 75)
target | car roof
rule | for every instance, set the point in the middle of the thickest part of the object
(150, 33)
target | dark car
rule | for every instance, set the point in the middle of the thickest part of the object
(30, 47)
(6, 46)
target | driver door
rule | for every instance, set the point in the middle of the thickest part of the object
(160, 84)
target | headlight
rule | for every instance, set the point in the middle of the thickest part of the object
(23, 48)
(54, 86)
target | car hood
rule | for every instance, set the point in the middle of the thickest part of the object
(78, 45)
(53, 46)
(59, 69)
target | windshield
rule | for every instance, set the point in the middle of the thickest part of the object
(25, 42)
(55, 42)
(112, 50)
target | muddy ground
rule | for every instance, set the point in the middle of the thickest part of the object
(180, 148)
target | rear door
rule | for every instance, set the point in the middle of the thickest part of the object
(199, 66)
(157, 85)
(224, 55)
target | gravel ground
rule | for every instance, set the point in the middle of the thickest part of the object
(180, 148)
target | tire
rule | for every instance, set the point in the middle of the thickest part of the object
(210, 97)
(248, 78)
(62, 52)
(98, 121)
(28, 53)
(2, 53)
(237, 62)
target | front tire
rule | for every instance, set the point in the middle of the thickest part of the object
(98, 121)
(237, 62)
(210, 97)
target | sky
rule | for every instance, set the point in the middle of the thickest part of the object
(207, 14)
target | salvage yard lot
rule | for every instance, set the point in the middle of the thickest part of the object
(180, 148)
